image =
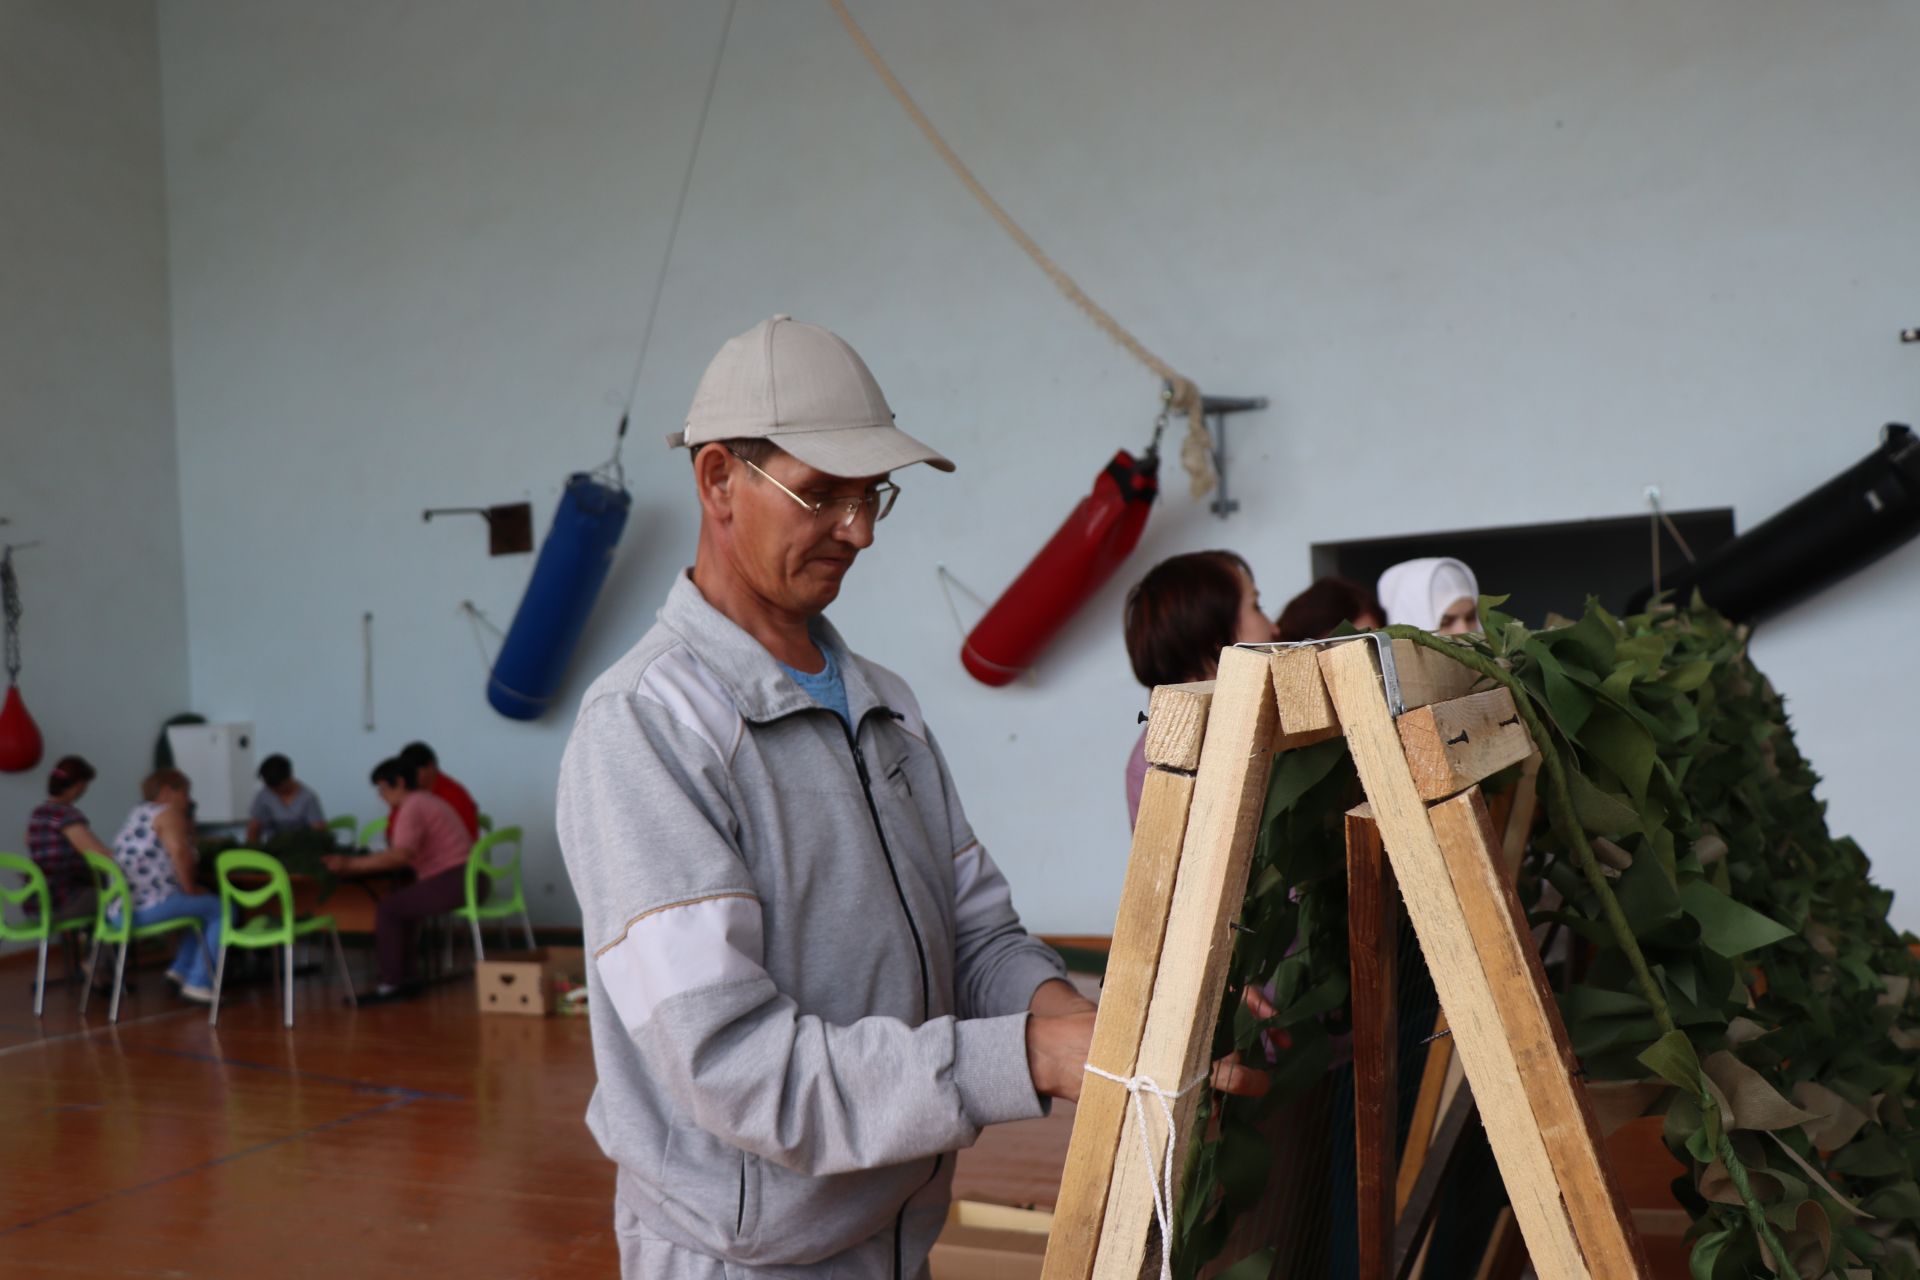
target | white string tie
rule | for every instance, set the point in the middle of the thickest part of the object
(1161, 1184)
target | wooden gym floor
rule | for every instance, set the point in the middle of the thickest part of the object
(402, 1140)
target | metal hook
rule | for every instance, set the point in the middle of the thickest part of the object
(1160, 421)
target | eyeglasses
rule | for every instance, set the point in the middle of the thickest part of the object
(875, 502)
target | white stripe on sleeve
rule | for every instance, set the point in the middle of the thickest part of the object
(682, 948)
(978, 887)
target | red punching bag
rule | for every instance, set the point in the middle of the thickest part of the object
(1102, 531)
(20, 744)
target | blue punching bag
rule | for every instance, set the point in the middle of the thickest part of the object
(566, 581)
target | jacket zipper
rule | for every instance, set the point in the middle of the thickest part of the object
(919, 948)
(900, 1218)
(873, 810)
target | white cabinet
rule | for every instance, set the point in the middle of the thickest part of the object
(218, 759)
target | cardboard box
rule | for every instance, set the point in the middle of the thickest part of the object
(529, 982)
(988, 1242)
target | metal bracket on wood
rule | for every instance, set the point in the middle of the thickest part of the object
(1382, 645)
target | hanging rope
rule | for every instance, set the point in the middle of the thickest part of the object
(1030, 677)
(673, 229)
(947, 583)
(476, 619)
(1662, 520)
(1196, 452)
(10, 600)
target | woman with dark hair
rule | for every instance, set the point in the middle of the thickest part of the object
(1178, 618)
(1317, 612)
(283, 804)
(56, 834)
(427, 836)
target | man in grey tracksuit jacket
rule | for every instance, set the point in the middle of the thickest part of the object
(808, 983)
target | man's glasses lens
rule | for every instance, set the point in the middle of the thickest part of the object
(877, 502)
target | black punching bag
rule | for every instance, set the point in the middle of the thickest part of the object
(1841, 527)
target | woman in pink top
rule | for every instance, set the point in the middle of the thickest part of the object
(426, 835)
(1178, 619)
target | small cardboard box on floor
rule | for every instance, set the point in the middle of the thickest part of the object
(535, 983)
(990, 1242)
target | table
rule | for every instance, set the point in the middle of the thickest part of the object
(353, 903)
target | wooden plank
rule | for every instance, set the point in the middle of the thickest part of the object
(1478, 1034)
(1452, 745)
(1176, 723)
(1212, 881)
(1372, 929)
(1526, 803)
(1538, 1038)
(1453, 1087)
(1300, 698)
(1307, 714)
(1427, 677)
(1145, 897)
(1439, 1079)
(1428, 1105)
(1416, 1215)
(1000, 1217)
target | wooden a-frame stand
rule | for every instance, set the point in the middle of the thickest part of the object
(1425, 826)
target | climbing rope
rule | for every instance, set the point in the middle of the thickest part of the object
(673, 232)
(1196, 451)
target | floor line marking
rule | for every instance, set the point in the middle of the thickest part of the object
(364, 1086)
(94, 1031)
(392, 1105)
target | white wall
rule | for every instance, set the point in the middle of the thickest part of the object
(1494, 261)
(86, 399)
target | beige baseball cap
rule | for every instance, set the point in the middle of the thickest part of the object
(806, 390)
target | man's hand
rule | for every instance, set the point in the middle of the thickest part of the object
(1057, 1046)
(1060, 1035)
(1055, 997)
(335, 862)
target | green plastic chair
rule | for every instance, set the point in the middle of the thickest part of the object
(378, 827)
(346, 825)
(263, 931)
(111, 882)
(42, 927)
(498, 905)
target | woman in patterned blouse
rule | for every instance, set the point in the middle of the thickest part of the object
(155, 849)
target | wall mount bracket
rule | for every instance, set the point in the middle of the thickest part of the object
(509, 525)
(1217, 409)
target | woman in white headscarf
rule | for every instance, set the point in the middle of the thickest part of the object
(1435, 594)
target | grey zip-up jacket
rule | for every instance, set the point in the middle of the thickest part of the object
(808, 984)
